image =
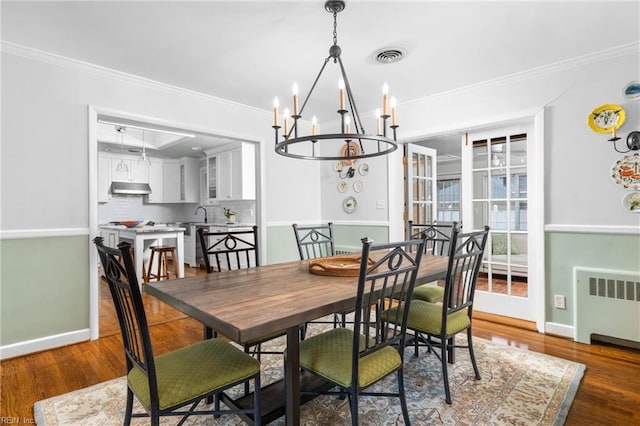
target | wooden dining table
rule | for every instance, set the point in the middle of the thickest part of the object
(247, 304)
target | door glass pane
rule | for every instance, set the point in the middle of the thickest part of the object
(518, 150)
(519, 249)
(480, 154)
(418, 164)
(480, 185)
(480, 214)
(498, 152)
(499, 216)
(518, 216)
(518, 183)
(498, 184)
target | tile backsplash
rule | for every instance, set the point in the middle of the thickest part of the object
(133, 207)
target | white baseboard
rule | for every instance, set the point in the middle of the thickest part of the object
(561, 330)
(44, 343)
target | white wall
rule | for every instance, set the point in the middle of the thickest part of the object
(45, 138)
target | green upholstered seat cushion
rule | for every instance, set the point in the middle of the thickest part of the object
(429, 293)
(192, 371)
(329, 355)
(427, 318)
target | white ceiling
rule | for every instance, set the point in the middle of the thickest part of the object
(251, 51)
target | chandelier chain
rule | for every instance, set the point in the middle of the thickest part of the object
(335, 28)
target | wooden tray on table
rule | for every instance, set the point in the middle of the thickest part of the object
(337, 266)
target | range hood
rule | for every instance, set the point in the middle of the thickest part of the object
(130, 188)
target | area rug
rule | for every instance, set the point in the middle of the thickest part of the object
(518, 387)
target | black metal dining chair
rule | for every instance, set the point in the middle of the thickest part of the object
(315, 241)
(438, 243)
(167, 384)
(354, 359)
(233, 250)
(435, 325)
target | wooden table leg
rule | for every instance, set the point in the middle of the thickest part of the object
(292, 377)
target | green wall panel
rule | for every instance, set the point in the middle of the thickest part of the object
(282, 242)
(565, 251)
(44, 287)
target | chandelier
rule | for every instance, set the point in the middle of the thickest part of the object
(353, 142)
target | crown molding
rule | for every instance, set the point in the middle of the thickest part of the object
(64, 61)
(567, 64)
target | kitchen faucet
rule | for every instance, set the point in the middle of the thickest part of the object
(205, 212)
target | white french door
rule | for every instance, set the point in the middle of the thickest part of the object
(420, 172)
(497, 167)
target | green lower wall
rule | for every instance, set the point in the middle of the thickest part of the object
(44, 282)
(564, 251)
(44, 287)
(282, 242)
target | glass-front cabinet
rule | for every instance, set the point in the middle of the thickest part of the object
(231, 173)
(212, 177)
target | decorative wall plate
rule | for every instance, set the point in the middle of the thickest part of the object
(631, 91)
(626, 171)
(342, 186)
(350, 149)
(605, 117)
(363, 169)
(632, 202)
(349, 204)
(358, 185)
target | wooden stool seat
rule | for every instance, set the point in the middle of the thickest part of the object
(162, 271)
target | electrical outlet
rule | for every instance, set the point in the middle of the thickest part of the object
(559, 301)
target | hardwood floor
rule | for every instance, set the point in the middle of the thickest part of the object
(608, 394)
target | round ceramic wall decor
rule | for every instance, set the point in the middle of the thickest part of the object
(632, 202)
(605, 118)
(626, 171)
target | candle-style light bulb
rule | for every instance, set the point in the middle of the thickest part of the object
(286, 121)
(314, 126)
(393, 111)
(385, 99)
(341, 93)
(378, 122)
(276, 104)
(347, 125)
(295, 98)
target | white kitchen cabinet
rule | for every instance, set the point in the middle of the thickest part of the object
(232, 173)
(171, 181)
(156, 181)
(181, 182)
(111, 237)
(135, 171)
(189, 180)
(104, 179)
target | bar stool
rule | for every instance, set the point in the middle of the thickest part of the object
(163, 263)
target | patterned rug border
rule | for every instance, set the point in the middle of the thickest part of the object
(425, 396)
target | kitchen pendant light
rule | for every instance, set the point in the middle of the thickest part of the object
(346, 145)
(143, 158)
(122, 166)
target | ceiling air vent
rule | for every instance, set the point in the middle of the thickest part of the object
(389, 55)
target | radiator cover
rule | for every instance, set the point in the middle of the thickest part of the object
(607, 303)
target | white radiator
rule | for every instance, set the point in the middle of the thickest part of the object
(607, 303)
(347, 249)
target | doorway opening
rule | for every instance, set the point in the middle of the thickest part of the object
(209, 140)
(493, 176)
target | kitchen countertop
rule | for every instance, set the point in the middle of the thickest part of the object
(145, 229)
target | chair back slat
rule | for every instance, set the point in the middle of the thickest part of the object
(438, 235)
(229, 250)
(464, 265)
(119, 270)
(314, 241)
(389, 280)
